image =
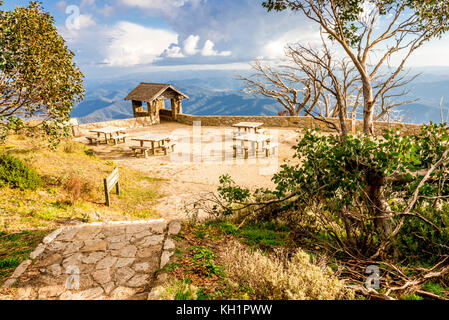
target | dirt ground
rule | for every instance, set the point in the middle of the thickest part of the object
(200, 157)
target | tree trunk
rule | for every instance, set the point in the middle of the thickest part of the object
(378, 204)
(342, 118)
(368, 108)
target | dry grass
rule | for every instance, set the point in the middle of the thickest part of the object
(73, 188)
(280, 278)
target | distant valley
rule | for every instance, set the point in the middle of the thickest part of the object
(220, 93)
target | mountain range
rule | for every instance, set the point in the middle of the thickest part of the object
(219, 92)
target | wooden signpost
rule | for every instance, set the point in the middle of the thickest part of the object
(109, 183)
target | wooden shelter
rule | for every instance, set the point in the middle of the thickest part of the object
(155, 94)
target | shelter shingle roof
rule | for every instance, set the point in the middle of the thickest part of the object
(150, 91)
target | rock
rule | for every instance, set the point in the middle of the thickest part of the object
(37, 252)
(88, 294)
(87, 233)
(122, 275)
(9, 283)
(162, 277)
(174, 227)
(94, 245)
(155, 293)
(94, 257)
(72, 261)
(67, 234)
(73, 247)
(108, 287)
(26, 293)
(52, 236)
(111, 232)
(92, 293)
(102, 276)
(122, 293)
(117, 238)
(158, 227)
(149, 252)
(124, 262)
(138, 280)
(139, 296)
(107, 262)
(142, 234)
(56, 246)
(21, 268)
(143, 266)
(128, 251)
(151, 241)
(55, 270)
(50, 291)
(136, 228)
(169, 244)
(54, 258)
(165, 258)
(116, 245)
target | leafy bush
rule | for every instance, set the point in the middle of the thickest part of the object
(279, 278)
(204, 262)
(353, 191)
(17, 174)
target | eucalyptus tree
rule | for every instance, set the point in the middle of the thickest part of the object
(38, 77)
(371, 33)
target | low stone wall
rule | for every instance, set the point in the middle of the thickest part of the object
(294, 122)
(84, 129)
(227, 121)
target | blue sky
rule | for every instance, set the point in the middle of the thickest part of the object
(113, 37)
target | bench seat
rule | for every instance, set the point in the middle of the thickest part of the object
(167, 146)
(93, 140)
(270, 147)
(122, 136)
(143, 150)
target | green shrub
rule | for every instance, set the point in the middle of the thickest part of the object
(17, 174)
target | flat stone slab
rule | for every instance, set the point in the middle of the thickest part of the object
(111, 260)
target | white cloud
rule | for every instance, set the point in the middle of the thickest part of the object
(275, 49)
(85, 21)
(189, 45)
(155, 4)
(107, 10)
(173, 52)
(133, 44)
(85, 3)
(208, 50)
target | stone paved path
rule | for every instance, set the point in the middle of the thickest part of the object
(115, 260)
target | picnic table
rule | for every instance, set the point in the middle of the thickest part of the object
(247, 126)
(253, 139)
(162, 141)
(109, 131)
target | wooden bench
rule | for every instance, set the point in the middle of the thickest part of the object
(143, 150)
(243, 149)
(272, 147)
(168, 146)
(122, 136)
(93, 140)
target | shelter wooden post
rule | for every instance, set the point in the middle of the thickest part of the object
(176, 107)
